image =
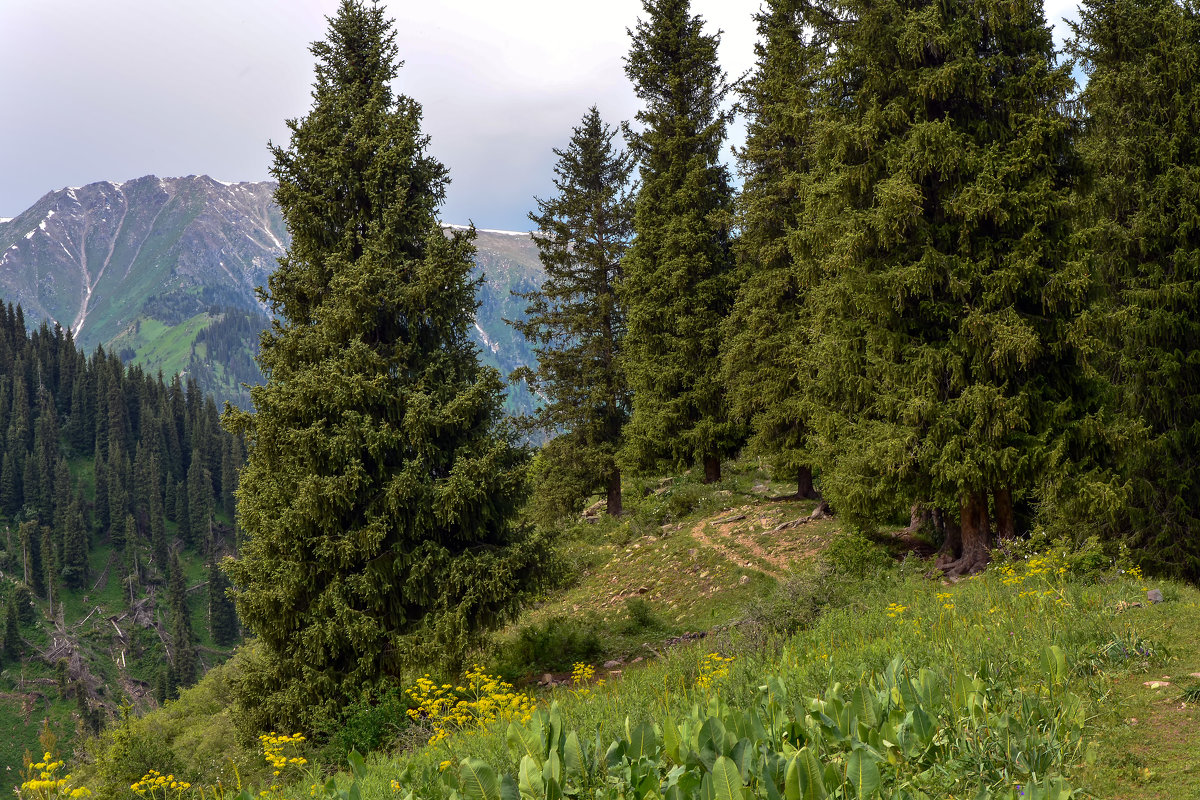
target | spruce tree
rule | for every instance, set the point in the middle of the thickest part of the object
(765, 354)
(75, 548)
(183, 640)
(576, 320)
(200, 502)
(1140, 235)
(678, 274)
(379, 500)
(12, 630)
(939, 295)
(222, 617)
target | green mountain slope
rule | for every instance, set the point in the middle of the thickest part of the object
(163, 271)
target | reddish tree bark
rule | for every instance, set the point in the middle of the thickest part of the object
(951, 549)
(712, 469)
(804, 485)
(1005, 526)
(976, 537)
(613, 506)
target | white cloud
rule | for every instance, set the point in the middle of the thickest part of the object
(118, 89)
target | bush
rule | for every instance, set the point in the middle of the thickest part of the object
(370, 723)
(641, 616)
(853, 555)
(553, 645)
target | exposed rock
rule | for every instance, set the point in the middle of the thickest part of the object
(1154, 596)
(613, 664)
(595, 510)
(742, 581)
(1156, 684)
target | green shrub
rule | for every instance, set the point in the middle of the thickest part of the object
(370, 723)
(553, 645)
(641, 616)
(854, 555)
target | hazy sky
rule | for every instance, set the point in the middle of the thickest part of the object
(117, 89)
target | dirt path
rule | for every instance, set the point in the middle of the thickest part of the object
(746, 539)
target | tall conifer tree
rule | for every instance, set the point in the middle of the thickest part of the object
(765, 355)
(576, 320)
(940, 299)
(678, 282)
(1141, 235)
(380, 495)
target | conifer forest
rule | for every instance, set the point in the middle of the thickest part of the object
(897, 409)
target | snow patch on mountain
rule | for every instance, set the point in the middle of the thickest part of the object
(453, 226)
(487, 342)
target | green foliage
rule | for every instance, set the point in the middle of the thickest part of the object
(934, 256)
(891, 735)
(576, 320)
(678, 282)
(1138, 235)
(554, 645)
(372, 722)
(764, 352)
(380, 494)
(193, 738)
(853, 554)
(641, 616)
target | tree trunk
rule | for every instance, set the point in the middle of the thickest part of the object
(804, 485)
(951, 549)
(917, 517)
(712, 469)
(613, 506)
(976, 537)
(1005, 526)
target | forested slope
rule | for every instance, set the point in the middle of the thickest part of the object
(115, 497)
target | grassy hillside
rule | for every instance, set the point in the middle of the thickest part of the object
(716, 608)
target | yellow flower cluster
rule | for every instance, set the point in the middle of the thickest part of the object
(945, 598)
(582, 673)
(273, 747)
(1045, 567)
(154, 782)
(895, 609)
(713, 669)
(47, 784)
(483, 700)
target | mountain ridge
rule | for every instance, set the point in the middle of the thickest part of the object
(146, 266)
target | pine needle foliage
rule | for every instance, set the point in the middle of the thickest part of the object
(679, 278)
(1141, 235)
(379, 497)
(765, 355)
(576, 320)
(940, 296)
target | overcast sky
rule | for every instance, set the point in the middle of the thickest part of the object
(117, 89)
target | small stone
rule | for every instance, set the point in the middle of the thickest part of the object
(547, 679)
(643, 589)
(613, 664)
(637, 660)
(1156, 684)
(1154, 596)
(614, 673)
(742, 581)
(1195, 675)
